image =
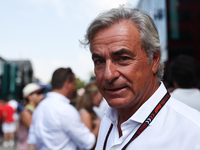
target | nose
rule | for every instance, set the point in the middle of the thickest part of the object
(110, 72)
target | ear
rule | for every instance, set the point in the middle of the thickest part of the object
(66, 84)
(29, 97)
(155, 62)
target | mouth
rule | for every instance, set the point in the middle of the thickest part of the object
(115, 90)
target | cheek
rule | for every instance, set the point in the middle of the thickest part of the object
(40, 97)
(136, 71)
(98, 73)
(98, 79)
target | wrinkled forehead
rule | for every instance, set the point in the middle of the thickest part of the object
(120, 35)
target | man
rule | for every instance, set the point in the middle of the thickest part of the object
(185, 75)
(125, 48)
(57, 124)
(33, 95)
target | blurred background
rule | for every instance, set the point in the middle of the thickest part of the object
(38, 36)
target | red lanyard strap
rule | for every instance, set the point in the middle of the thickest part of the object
(105, 142)
(145, 124)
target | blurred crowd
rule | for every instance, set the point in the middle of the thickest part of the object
(9, 121)
(16, 118)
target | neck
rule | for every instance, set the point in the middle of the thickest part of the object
(32, 104)
(30, 107)
(126, 112)
(60, 91)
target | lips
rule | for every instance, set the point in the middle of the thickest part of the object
(115, 90)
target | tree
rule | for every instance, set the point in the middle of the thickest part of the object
(79, 83)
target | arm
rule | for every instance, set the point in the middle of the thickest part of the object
(76, 130)
(4, 114)
(95, 130)
(96, 124)
(31, 134)
(32, 147)
(93, 126)
(31, 139)
(87, 119)
(26, 118)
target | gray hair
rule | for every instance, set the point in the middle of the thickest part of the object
(148, 31)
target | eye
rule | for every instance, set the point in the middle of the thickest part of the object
(98, 61)
(124, 58)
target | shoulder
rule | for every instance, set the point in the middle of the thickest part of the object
(85, 114)
(69, 111)
(81, 111)
(25, 112)
(56, 106)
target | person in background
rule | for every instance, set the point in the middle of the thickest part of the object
(91, 97)
(14, 104)
(100, 110)
(184, 73)
(56, 124)
(1, 115)
(8, 125)
(33, 95)
(126, 52)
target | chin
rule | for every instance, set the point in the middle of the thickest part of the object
(117, 102)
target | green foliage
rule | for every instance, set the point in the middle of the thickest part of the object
(79, 83)
(92, 75)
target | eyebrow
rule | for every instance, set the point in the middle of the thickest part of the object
(120, 52)
(94, 55)
(123, 51)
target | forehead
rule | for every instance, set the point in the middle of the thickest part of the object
(123, 33)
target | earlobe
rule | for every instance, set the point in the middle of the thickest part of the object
(155, 62)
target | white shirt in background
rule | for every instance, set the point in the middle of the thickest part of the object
(101, 109)
(57, 125)
(191, 97)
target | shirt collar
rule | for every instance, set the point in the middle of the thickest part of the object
(142, 113)
(58, 96)
(112, 114)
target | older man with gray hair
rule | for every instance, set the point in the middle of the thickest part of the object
(126, 51)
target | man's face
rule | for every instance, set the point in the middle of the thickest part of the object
(37, 97)
(124, 75)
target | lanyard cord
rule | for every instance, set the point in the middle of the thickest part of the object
(144, 124)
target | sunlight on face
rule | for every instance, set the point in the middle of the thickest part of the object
(121, 65)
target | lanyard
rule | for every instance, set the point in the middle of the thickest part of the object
(144, 124)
